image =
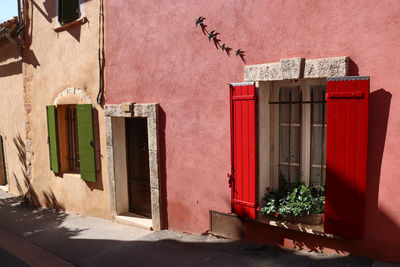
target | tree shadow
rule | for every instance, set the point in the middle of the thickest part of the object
(29, 195)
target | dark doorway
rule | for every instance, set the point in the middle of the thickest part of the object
(138, 166)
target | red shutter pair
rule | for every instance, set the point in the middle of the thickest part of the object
(346, 158)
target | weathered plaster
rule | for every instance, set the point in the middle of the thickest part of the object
(297, 68)
(12, 117)
(72, 94)
(52, 74)
(194, 101)
(116, 156)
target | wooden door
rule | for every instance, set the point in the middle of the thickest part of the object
(138, 166)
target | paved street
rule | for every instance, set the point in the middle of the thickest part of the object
(41, 237)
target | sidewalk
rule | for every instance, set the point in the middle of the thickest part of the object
(41, 237)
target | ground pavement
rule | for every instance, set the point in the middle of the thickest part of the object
(42, 237)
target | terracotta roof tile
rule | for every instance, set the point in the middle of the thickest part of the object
(9, 22)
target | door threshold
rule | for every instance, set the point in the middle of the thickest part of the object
(5, 188)
(136, 220)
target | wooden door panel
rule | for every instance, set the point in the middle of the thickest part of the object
(138, 166)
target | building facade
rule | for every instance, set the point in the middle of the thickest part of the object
(61, 84)
(158, 53)
(183, 115)
(12, 146)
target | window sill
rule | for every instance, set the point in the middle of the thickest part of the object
(300, 227)
(68, 25)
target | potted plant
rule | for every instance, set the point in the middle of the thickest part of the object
(295, 202)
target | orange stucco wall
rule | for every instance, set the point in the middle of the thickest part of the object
(12, 114)
(54, 62)
(156, 54)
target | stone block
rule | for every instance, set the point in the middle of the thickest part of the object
(156, 209)
(152, 133)
(145, 110)
(292, 68)
(116, 111)
(108, 127)
(110, 161)
(127, 107)
(326, 67)
(154, 169)
(263, 72)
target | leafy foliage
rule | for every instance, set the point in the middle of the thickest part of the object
(295, 199)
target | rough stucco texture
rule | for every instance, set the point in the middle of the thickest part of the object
(12, 115)
(54, 62)
(156, 54)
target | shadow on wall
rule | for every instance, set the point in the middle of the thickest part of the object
(163, 169)
(10, 69)
(10, 51)
(50, 11)
(30, 196)
(382, 234)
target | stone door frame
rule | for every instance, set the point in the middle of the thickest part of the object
(114, 116)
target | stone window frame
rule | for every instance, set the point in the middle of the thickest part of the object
(114, 116)
(289, 69)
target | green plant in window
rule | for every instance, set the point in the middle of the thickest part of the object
(296, 199)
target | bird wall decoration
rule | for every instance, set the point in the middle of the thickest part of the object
(199, 20)
(212, 35)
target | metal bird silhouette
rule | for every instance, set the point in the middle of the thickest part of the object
(199, 20)
(239, 52)
(223, 47)
(211, 35)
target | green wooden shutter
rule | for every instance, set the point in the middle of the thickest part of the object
(68, 10)
(52, 138)
(86, 142)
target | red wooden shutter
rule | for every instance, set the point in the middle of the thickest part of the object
(243, 150)
(346, 155)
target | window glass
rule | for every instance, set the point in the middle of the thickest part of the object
(300, 114)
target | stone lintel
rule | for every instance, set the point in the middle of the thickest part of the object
(326, 67)
(292, 68)
(116, 111)
(297, 68)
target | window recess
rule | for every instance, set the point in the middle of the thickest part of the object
(71, 140)
(299, 132)
(68, 10)
(72, 136)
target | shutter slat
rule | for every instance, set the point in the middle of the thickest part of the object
(243, 119)
(87, 160)
(346, 159)
(52, 138)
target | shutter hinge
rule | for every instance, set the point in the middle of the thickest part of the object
(48, 139)
(230, 181)
(92, 143)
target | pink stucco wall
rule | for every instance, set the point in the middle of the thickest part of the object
(154, 53)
